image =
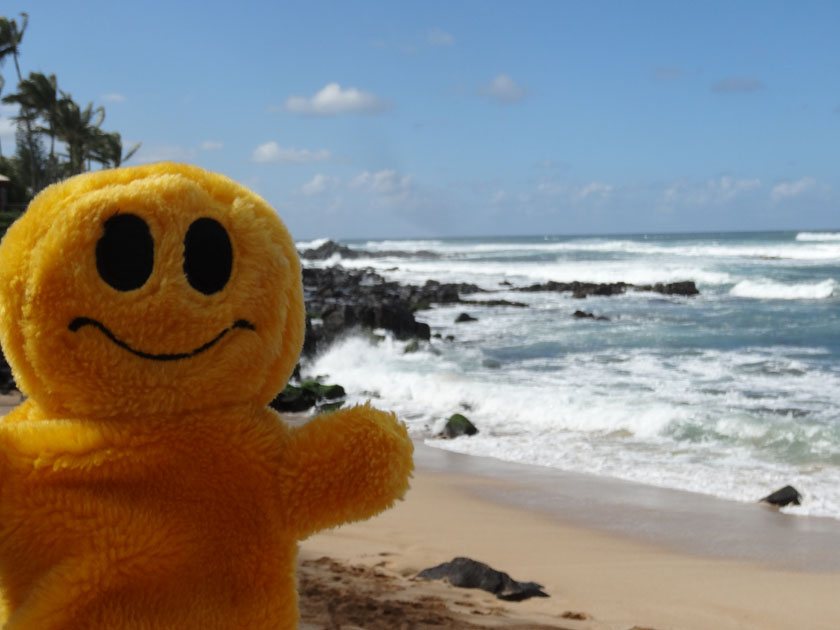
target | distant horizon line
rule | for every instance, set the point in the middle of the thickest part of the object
(571, 235)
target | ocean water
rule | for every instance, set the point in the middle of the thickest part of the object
(733, 393)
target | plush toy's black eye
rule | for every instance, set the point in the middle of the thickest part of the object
(208, 256)
(125, 252)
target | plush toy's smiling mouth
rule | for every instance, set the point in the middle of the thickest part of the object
(79, 322)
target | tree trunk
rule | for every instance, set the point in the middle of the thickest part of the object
(29, 139)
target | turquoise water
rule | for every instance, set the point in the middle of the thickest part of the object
(733, 393)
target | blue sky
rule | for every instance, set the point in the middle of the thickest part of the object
(396, 119)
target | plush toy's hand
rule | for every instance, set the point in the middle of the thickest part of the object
(345, 466)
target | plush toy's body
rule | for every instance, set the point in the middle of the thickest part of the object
(145, 483)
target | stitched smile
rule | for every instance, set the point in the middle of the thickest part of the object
(79, 322)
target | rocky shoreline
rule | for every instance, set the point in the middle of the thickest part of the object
(339, 299)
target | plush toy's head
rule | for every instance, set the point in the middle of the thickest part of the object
(152, 289)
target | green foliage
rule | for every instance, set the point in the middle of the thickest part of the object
(47, 113)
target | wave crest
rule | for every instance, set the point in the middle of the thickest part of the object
(768, 290)
(818, 236)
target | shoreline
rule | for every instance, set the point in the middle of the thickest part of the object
(462, 506)
(676, 520)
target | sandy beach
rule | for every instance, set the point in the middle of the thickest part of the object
(599, 574)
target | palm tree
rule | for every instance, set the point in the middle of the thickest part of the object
(79, 129)
(11, 36)
(38, 96)
(108, 150)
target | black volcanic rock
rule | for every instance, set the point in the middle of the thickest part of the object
(457, 425)
(583, 289)
(338, 299)
(328, 250)
(579, 289)
(686, 287)
(296, 398)
(783, 496)
(584, 315)
(331, 248)
(467, 573)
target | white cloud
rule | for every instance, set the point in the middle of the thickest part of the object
(503, 89)
(385, 182)
(595, 189)
(273, 152)
(113, 97)
(332, 100)
(716, 191)
(785, 190)
(319, 184)
(438, 37)
(211, 145)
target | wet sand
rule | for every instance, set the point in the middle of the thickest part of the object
(617, 555)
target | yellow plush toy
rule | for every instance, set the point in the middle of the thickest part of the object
(150, 314)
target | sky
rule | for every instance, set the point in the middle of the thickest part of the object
(461, 118)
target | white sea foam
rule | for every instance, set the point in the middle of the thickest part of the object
(489, 274)
(689, 423)
(302, 246)
(689, 394)
(818, 236)
(769, 290)
(402, 246)
(773, 251)
(827, 247)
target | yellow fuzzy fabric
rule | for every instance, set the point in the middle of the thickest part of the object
(144, 483)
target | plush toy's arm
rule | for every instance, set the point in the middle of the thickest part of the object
(345, 466)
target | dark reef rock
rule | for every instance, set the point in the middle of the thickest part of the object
(687, 288)
(331, 248)
(465, 317)
(584, 289)
(307, 395)
(584, 315)
(578, 289)
(328, 250)
(339, 300)
(393, 316)
(494, 303)
(456, 426)
(468, 573)
(783, 496)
